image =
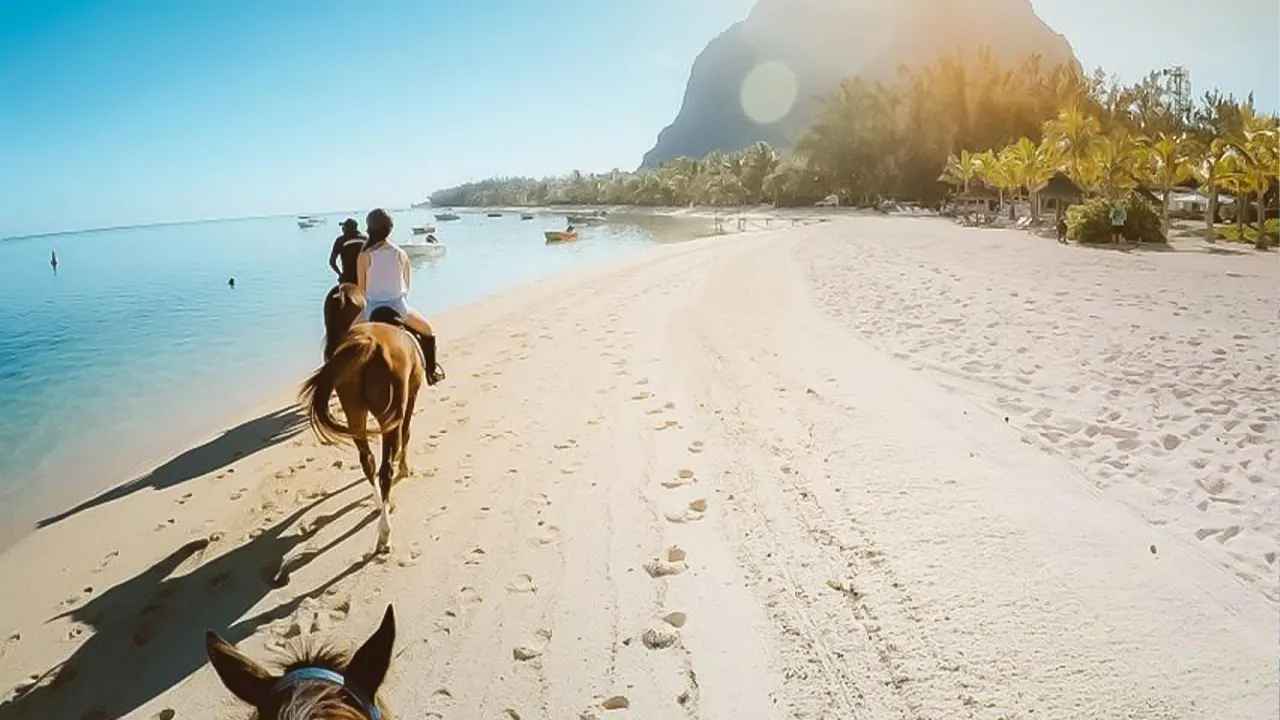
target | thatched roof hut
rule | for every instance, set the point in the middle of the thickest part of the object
(978, 191)
(1058, 187)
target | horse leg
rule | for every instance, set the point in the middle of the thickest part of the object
(357, 419)
(404, 470)
(389, 442)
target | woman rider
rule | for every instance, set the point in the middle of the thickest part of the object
(383, 274)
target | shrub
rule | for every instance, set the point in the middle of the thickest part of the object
(1090, 222)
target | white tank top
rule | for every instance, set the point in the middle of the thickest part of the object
(385, 279)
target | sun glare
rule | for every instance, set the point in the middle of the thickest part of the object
(768, 92)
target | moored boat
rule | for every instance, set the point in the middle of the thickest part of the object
(495, 214)
(447, 216)
(423, 229)
(429, 251)
(560, 236)
(526, 216)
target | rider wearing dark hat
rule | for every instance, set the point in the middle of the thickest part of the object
(347, 248)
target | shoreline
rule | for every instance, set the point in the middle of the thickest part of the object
(844, 511)
(63, 486)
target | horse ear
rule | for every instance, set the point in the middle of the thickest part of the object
(244, 677)
(368, 667)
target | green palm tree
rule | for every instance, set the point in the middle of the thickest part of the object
(1074, 135)
(1116, 160)
(1167, 163)
(1259, 162)
(1029, 165)
(961, 170)
(1210, 164)
(995, 171)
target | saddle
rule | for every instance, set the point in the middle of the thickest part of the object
(426, 343)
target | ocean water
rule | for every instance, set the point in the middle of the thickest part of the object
(137, 348)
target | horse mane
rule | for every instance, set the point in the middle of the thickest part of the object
(316, 700)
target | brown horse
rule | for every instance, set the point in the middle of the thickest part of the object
(377, 369)
(322, 685)
(343, 305)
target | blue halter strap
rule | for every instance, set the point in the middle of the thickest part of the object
(321, 675)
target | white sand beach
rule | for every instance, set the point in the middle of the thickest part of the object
(871, 468)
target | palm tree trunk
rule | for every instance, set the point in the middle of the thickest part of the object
(1261, 242)
(1211, 213)
(1164, 214)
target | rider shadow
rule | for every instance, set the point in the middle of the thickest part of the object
(146, 633)
(244, 439)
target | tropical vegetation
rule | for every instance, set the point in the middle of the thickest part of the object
(963, 124)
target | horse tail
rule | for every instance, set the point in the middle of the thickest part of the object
(350, 357)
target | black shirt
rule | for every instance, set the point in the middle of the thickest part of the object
(347, 248)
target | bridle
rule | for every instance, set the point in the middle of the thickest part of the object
(328, 677)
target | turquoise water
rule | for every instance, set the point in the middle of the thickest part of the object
(137, 348)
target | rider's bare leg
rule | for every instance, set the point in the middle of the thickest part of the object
(415, 322)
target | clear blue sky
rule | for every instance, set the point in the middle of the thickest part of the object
(129, 111)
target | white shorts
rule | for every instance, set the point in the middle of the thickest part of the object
(400, 305)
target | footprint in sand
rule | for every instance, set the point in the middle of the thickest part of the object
(696, 447)
(468, 595)
(642, 396)
(534, 649)
(239, 493)
(673, 562)
(692, 513)
(666, 425)
(13, 639)
(617, 702)
(682, 478)
(548, 535)
(523, 583)
(106, 561)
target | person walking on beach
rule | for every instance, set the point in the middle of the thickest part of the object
(346, 248)
(1119, 216)
(383, 274)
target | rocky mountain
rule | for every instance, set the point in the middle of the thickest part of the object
(802, 48)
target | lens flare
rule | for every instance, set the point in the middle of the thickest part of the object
(768, 92)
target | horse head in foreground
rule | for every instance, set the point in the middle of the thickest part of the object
(322, 685)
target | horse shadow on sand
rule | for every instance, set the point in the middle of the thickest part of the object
(244, 439)
(146, 634)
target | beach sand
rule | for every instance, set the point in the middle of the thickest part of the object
(870, 468)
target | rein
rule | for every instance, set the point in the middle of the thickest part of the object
(321, 675)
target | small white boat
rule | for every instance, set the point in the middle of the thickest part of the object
(306, 221)
(423, 229)
(447, 216)
(430, 251)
